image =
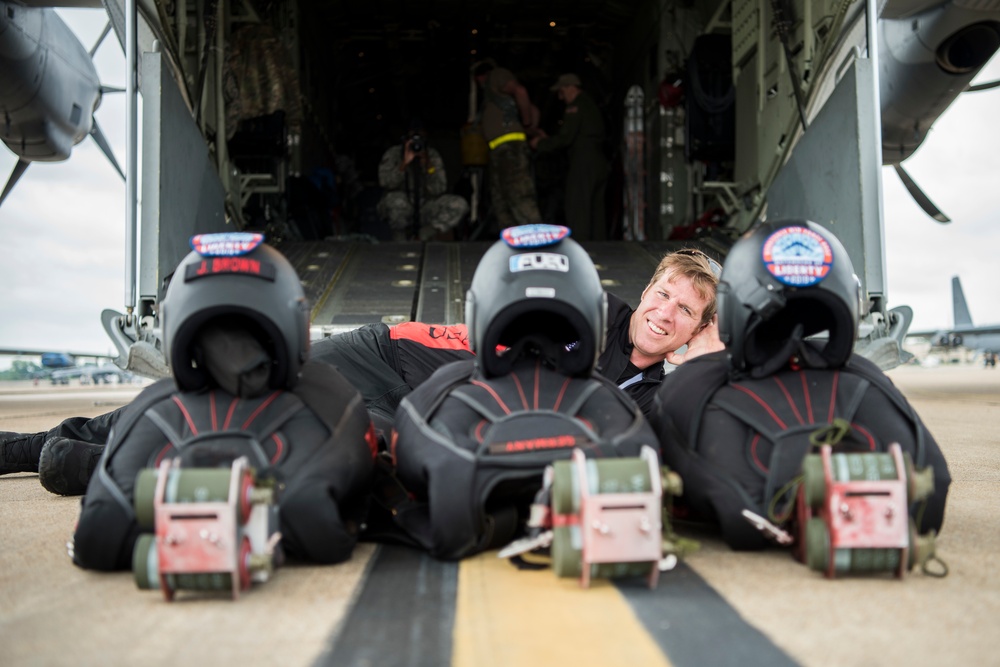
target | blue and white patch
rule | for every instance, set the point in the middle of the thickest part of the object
(225, 244)
(797, 256)
(539, 261)
(534, 236)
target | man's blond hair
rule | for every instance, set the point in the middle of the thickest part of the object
(696, 266)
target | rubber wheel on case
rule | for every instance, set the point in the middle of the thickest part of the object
(564, 496)
(145, 490)
(817, 544)
(565, 558)
(145, 566)
(813, 481)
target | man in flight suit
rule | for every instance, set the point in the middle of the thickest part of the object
(508, 120)
(581, 135)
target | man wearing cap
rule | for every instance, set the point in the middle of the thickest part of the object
(581, 134)
(509, 118)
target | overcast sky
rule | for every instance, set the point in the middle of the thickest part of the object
(62, 230)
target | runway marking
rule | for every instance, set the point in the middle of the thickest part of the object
(695, 626)
(415, 611)
(403, 616)
(507, 616)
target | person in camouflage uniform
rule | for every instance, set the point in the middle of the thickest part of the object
(508, 119)
(581, 135)
(413, 184)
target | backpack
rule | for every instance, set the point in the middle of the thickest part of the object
(470, 451)
(739, 444)
(316, 440)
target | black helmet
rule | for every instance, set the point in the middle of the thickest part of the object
(781, 282)
(235, 277)
(536, 290)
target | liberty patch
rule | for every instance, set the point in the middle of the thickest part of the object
(539, 261)
(534, 236)
(797, 256)
(225, 244)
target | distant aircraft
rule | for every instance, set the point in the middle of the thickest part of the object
(984, 338)
(49, 89)
(61, 366)
(91, 374)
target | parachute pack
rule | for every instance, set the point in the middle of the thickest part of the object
(740, 444)
(471, 450)
(316, 441)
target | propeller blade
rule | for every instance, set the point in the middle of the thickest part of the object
(97, 44)
(19, 170)
(982, 86)
(918, 195)
(105, 147)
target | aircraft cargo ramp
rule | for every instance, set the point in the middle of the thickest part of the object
(350, 284)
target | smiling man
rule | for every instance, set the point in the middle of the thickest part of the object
(677, 308)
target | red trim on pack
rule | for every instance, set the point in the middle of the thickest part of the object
(833, 395)
(211, 405)
(440, 336)
(492, 393)
(372, 440)
(187, 416)
(393, 439)
(280, 447)
(866, 433)
(763, 404)
(565, 520)
(538, 367)
(788, 397)
(229, 414)
(260, 409)
(562, 392)
(479, 430)
(163, 452)
(753, 453)
(805, 392)
(520, 390)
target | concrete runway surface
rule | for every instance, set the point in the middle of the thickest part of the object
(52, 613)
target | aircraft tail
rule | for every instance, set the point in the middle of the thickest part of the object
(961, 309)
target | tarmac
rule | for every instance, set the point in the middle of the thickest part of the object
(388, 606)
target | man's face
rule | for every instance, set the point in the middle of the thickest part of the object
(667, 317)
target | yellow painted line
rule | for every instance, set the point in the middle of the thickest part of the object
(505, 616)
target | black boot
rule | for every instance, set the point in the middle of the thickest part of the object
(19, 452)
(66, 465)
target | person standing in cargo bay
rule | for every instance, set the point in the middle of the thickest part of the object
(581, 135)
(508, 120)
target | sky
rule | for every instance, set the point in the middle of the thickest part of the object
(62, 230)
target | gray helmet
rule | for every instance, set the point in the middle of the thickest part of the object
(536, 291)
(235, 277)
(780, 283)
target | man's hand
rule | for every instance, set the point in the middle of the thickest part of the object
(705, 341)
(409, 156)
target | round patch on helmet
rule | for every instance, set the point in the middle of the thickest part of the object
(797, 256)
(225, 244)
(534, 236)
